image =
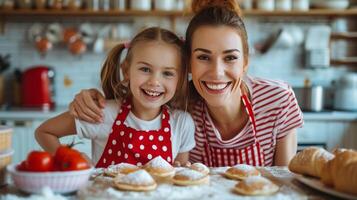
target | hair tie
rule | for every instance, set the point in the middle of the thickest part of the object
(127, 45)
(182, 39)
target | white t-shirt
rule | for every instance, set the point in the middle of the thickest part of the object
(182, 129)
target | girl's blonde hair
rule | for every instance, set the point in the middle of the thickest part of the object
(115, 88)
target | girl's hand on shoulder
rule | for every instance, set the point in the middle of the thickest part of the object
(87, 106)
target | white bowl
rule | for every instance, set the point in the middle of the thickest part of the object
(59, 182)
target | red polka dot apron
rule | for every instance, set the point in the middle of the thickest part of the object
(251, 154)
(126, 144)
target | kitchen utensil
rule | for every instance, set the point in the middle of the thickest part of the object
(37, 88)
(4, 62)
(86, 33)
(310, 98)
(43, 45)
(54, 33)
(77, 47)
(318, 53)
(346, 93)
(59, 181)
(35, 32)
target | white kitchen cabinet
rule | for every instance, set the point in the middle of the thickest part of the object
(328, 133)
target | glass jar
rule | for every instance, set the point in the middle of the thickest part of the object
(302, 5)
(284, 5)
(140, 4)
(265, 5)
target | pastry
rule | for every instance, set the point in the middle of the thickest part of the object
(186, 177)
(341, 172)
(159, 168)
(255, 185)
(121, 168)
(310, 161)
(136, 181)
(241, 171)
(200, 168)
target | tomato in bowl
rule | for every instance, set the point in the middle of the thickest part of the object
(58, 181)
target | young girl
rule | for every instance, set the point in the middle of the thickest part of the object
(141, 122)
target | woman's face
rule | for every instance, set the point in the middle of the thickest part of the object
(217, 64)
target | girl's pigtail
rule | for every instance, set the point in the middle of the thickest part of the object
(110, 74)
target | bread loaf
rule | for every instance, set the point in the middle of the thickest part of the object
(341, 172)
(310, 161)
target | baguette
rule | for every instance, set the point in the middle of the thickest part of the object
(310, 161)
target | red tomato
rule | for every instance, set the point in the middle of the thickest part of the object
(39, 161)
(67, 159)
(74, 162)
(22, 166)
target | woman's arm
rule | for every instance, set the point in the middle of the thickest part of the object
(87, 106)
(49, 132)
(285, 149)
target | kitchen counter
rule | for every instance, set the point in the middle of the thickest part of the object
(30, 114)
(219, 188)
(19, 113)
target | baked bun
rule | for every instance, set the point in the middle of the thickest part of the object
(186, 177)
(200, 168)
(121, 168)
(310, 161)
(241, 171)
(159, 168)
(255, 185)
(136, 181)
(341, 172)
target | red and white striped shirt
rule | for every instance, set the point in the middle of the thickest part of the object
(276, 113)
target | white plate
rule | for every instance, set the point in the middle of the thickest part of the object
(318, 185)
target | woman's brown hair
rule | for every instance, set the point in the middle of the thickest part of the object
(115, 88)
(215, 13)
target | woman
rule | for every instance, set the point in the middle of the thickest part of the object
(238, 119)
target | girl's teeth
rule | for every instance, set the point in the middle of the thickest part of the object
(216, 86)
(152, 93)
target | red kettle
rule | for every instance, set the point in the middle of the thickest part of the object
(37, 87)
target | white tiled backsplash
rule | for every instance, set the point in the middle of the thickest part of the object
(83, 71)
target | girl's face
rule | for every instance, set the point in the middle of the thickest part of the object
(217, 64)
(153, 74)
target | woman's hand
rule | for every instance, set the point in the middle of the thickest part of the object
(87, 106)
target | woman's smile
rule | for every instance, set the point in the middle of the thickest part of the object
(216, 87)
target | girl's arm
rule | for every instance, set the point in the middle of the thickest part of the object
(285, 149)
(182, 159)
(49, 132)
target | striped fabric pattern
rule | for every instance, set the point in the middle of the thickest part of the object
(276, 113)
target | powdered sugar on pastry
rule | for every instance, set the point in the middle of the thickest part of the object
(140, 177)
(121, 168)
(200, 168)
(244, 167)
(190, 174)
(159, 162)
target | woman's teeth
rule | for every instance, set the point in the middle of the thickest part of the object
(215, 86)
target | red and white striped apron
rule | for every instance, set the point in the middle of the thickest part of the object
(126, 144)
(251, 154)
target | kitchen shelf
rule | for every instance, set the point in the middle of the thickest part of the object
(351, 61)
(113, 13)
(344, 36)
